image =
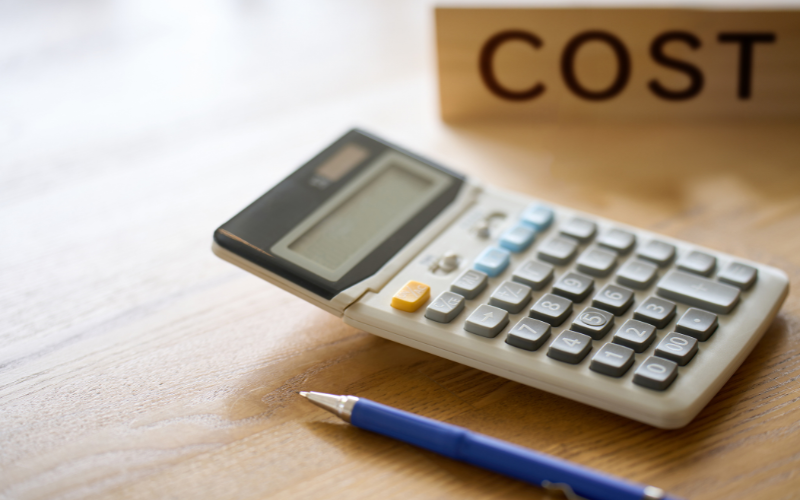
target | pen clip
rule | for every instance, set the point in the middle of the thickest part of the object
(562, 488)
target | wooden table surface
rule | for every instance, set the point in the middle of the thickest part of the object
(135, 364)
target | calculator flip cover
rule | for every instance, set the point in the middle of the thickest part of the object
(622, 319)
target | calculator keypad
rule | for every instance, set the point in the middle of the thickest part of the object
(593, 322)
(678, 348)
(698, 292)
(570, 347)
(518, 238)
(698, 262)
(612, 360)
(697, 323)
(537, 216)
(528, 334)
(581, 229)
(635, 334)
(655, 311)
(470, 284)
(511, 296)
(534, 274)
(492, 261)
(637, 274)
(658, 252)
(597, 262)
(551, 309)
(614, 299)
(486, 321)
(656, 373)
(445, 308)
(618, 240)
(573, 286)
(739, 275)
(558, 251)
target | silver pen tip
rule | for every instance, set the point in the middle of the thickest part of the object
(303, 393)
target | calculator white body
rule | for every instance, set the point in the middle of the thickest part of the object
(367, 306)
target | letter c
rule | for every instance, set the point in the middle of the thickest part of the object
(487, 69)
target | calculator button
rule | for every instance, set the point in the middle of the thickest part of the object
(597, 262)
(470, 284)
(612, 360)
(739, 275)
(558, 251)
(411, 296)
(528, 334)
(618, 240)
(593, 322)
(511, 296)
(534, 274)
(518, 238)
(655, 373)
(570, 347)
(655, 311)
(658, 252)
(537, 216)
(678, 348)
(486, 321)
(551, 309)
(492, 261)
(698, 262)
(614, 299)
(698, 324)
(698, 292)
(637, 274)
(581, 229)
(445, 308)
(574, 286)
(635, 334)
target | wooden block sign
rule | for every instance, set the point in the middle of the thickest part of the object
(597, 63)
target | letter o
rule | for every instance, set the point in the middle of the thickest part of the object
(568, 65)
(487, 70)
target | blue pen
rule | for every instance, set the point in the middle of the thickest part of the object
(499, 456)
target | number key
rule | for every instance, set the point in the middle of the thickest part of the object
(551, 309)
(635, 334)
(528, 334)
(678, 348)
(614, 299)
(574, 286)
(612, 360)
(570, 347)
(593, 322)
(655, 373)
(655, 311)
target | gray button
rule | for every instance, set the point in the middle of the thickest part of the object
(511, 296)
(570, 347)
(486, 321)
(593, 322)
(635, 334)
(739, 275)
(528, 334)
(597, 262)
(574, 286)
(658, 252)
(557, 250)
(698, 262)
(534, 274)
(698, 324)
(612, 360)
(678, 348)
(658, 312)
(618, 240)
(698, 292)
(446, 307)
(614, 299)
(551, 309)
(470, 284)
(637, 274)
(655, 373)
(581, 229)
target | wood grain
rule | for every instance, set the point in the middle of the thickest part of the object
(135, 364)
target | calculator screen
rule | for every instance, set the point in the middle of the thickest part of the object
(369, 210)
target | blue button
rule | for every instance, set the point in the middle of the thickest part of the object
(518, 238)
(492, 261)
(537, 216)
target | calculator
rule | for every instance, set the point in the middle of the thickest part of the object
(622, 319)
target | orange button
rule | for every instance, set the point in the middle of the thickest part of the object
(411, 296)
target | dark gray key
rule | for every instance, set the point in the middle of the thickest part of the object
(470, 284)
(658, 312)
(655, 373)
(635, 334)
(658, 252)
(618, 240)
(570, 347)
(593, 322)
(698, 292)
(698, 324)
(637, 274)
(447, 306)
(698, 262)
(528, 334)
(581, 229)
(559, 251)
(739, 275)
(612, 360)
(678, 348)
(486, 321)
(534, 274)
(614, 299)
(511, 296)
(597, 262)
(551, 309)
(574, 286)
